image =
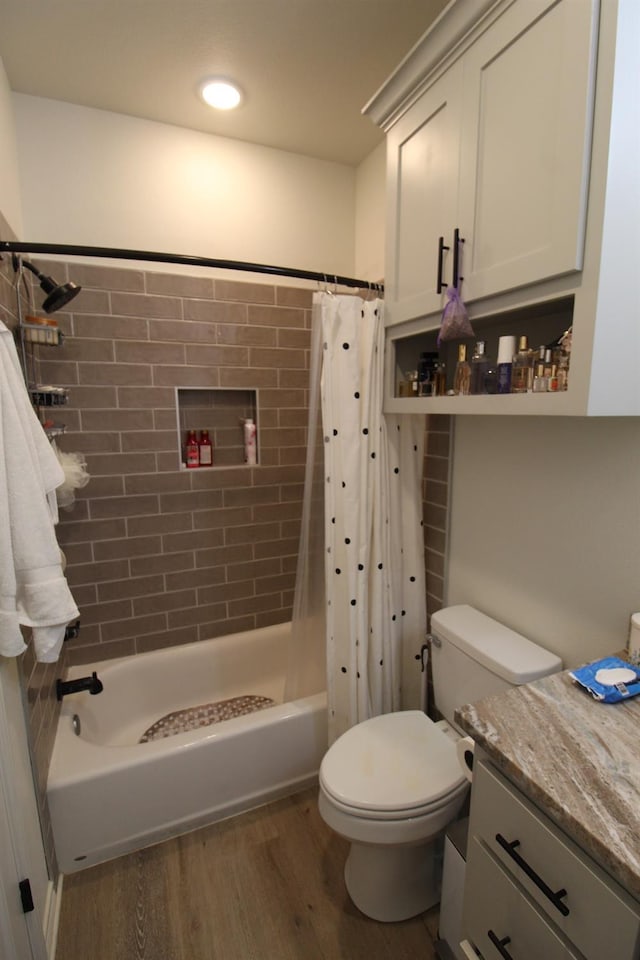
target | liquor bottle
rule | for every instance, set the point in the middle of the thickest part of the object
(462, 377)
(522, 368)
(479, 366)
(205, 450)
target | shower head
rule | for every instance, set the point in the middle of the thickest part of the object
(58, 294)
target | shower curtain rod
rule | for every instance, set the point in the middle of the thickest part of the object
(116, 253)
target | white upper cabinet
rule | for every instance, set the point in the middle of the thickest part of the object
(515, 123)
(525, 145)
(423, 150)
(498, 148)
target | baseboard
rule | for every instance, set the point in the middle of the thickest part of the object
(51, 917)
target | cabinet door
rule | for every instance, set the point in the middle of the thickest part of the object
(22, 852)
(422, 159)
(500, 921)
(525, 149)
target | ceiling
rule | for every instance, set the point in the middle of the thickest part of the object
(307, 67)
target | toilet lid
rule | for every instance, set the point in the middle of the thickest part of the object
(399, 761)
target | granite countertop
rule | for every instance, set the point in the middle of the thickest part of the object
(576, 758)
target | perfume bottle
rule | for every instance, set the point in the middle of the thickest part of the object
(462, 377)
(491, 379)
(440, 379)
(540, 380)
(506, 350)
(522, 368)
(426, 368)
(563, 371)
(479, 366)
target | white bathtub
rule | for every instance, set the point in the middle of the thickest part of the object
(108, 794)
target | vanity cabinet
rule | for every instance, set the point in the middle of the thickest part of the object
(511, 131)
(530, 891)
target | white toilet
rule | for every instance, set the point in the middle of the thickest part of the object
(393, 783)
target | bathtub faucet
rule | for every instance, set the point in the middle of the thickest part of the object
(92, 684)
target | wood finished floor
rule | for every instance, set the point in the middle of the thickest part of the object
(266, 885)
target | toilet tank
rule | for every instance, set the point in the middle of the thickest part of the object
(473, 656)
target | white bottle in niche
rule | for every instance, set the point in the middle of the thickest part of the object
(249, 441)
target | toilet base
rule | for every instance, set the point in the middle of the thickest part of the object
(390, 883)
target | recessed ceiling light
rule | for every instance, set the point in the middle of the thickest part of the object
(220, 94)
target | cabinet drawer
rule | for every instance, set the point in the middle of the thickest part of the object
(502, 922)
(588, 906)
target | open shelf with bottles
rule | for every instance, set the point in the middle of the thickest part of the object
(222, 414)
(542, 323)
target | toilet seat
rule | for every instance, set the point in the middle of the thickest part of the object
(392, 767)
(394, 816)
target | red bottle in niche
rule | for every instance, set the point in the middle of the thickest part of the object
(205, 450)
(192, 451)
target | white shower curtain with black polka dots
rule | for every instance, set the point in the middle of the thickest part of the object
(374, 554)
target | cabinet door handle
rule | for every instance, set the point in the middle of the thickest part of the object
(440, 284)
(457, 240)
(500, 944)
(555, 898)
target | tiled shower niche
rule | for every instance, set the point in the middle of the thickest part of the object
(222, 413)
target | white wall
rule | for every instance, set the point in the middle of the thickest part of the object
(370, 214)
(545, 528)
(100, 178)
(10, 206)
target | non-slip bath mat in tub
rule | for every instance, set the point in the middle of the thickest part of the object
(203, 716)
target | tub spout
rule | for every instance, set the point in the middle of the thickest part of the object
(92, 684)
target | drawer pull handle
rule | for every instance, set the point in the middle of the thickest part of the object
(440, 285)
(555, 898)
(500, 944)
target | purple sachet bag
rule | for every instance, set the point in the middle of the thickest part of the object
(455, 323)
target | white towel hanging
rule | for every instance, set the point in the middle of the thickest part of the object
(33, 590)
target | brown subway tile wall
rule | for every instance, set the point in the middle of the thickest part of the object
(161, 554)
